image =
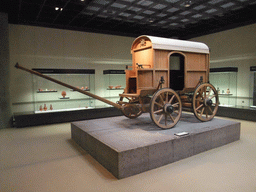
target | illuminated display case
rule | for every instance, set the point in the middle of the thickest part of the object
(51, 97)
(114, 84)
(225, 81)
(253, 87)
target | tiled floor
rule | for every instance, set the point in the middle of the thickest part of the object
(44, 158)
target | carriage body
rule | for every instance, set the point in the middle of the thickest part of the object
(183, 65)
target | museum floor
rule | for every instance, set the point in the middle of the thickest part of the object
(44, 158)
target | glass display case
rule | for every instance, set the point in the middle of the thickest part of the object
(253, 87)
(225, 81)
(52, 97)
(114, 84)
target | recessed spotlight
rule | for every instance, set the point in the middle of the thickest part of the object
(58, 9)
(187, 3)
(151, 20)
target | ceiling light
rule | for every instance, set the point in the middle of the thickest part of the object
(187, 3)
(58, 9)
(151, 20)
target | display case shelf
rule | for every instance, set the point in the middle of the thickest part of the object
(252, 86)
(114, 83)
(61, 98)
(225, 81)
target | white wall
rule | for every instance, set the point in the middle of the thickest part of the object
(37, 47)
(234, 48)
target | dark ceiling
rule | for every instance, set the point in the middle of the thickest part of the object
(166, 18)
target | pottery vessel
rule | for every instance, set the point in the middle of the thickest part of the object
(63, 93)
(45, 108)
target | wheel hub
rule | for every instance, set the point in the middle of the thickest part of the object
(168, 108)
(208, 102)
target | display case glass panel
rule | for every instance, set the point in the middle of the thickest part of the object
(114, 84)
(225, 81)
(52, 97)
(253, 87)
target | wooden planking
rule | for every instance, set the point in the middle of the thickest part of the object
(144, 57)
(193, 78)
(158, 75)
(161, 59)
(145, 79)
(196, 61)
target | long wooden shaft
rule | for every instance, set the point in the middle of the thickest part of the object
(69, 86)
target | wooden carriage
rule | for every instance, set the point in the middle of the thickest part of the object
(166, 77)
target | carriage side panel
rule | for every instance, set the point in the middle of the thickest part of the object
(161, 59)
(161, 67)
(144, 57)
(197, 66)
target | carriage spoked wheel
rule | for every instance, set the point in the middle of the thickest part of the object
(165, 108)
(205, 102)
(131, 111)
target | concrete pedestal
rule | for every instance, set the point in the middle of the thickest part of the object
(127, 147)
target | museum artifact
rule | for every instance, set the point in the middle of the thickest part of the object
(45, 108)
(63, 93)
(166, 77)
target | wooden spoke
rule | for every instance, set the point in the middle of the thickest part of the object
(161, 117)
(158, 104)
(171, 99)
(171, 117)
(209, 92)
(212, 97)
(161, 98)
(202, 112)
(176, 104)
(200, 99)
(199, 107)
(166, 99)
(158, 111)
(209, 108)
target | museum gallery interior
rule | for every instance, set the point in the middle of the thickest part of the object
(126, 95)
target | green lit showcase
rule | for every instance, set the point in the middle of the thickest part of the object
(51, 97)
(253, 87)
(225, 81)
(114, 84)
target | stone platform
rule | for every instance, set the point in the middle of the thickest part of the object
(127, 147)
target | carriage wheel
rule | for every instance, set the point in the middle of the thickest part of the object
(131, 111)
(165, 108)
(205, 102)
